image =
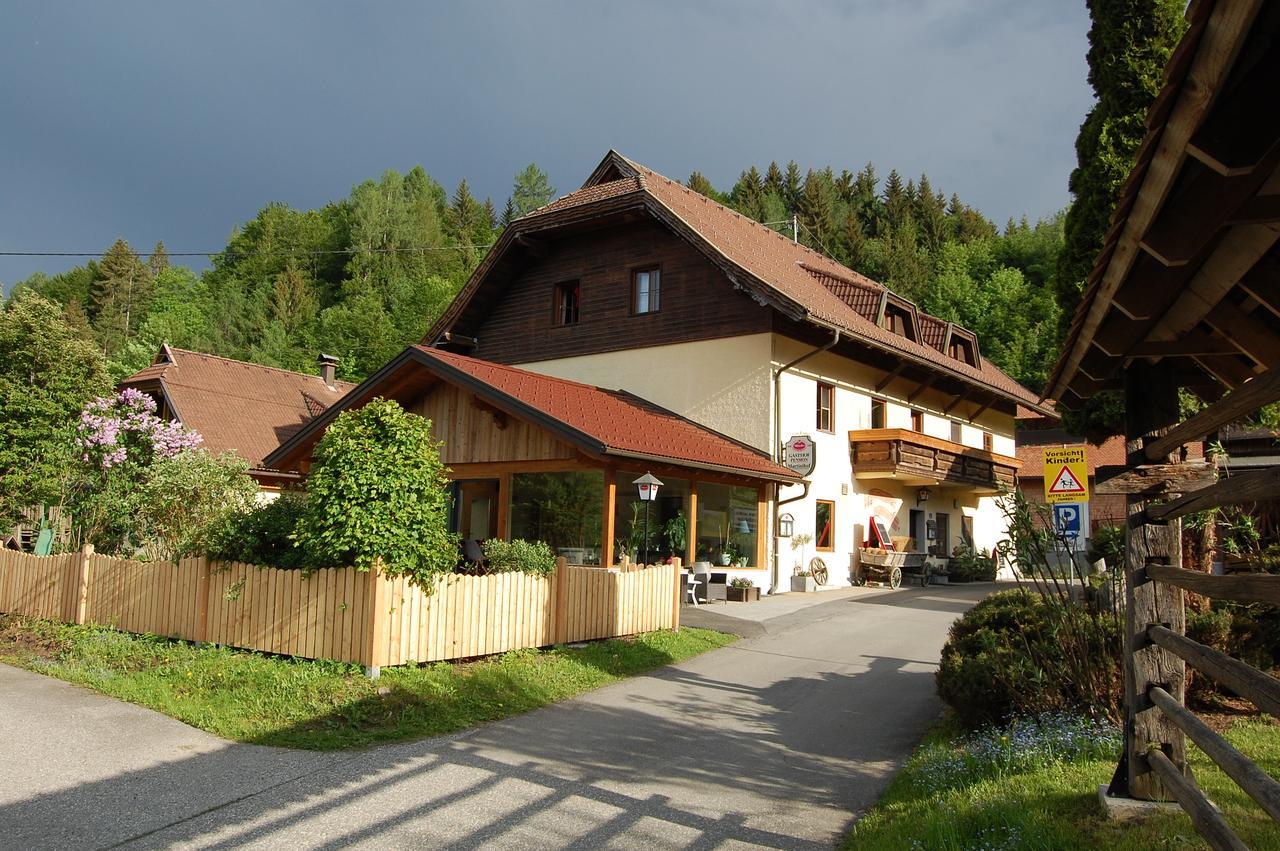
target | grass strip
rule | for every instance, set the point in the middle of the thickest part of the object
(954, 795)
(323, 705)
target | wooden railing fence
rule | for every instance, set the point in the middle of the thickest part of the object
(341, 613)
(1156, 654)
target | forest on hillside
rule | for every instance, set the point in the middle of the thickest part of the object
(364, 276)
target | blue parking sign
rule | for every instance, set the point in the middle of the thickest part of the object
(1066, 519)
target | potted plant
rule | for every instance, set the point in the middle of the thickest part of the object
(802, 580)
(741, 590)
(727, 554)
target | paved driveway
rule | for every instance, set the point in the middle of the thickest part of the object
(778, 741)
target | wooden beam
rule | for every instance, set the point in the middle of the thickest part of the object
(691, 546)
(1245, 487)
(1245, 399)
(503, 530)
(1239, 131)
(1188, 222)
(1151, 406)
(1154, 479)
(889, 378)
(1258, 210)
(956, 402)
(922, 389)
(1208, 822)
(1191, 345)
(537, 247)
(1255, 588)
(1227, 369)
(1248, 776)
(1262, 690)
(981, 408)
(610, 508)
(1249, 334)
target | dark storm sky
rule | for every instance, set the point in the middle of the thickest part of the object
(178, 120)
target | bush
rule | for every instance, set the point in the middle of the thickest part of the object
(533, 557)
(183, 502)
(1017, 653)
(264, 535)
(1108, 544)
(378, 493)
(969, 566)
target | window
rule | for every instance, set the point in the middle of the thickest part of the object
(567, 295)
(877, 413)
(957, 432)
(826, 407)
(645, 291)
(564, 509)
(987, 441)
(917, 421)
(824, 525)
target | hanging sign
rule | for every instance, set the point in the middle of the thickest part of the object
(799, 454)
(1066, 474)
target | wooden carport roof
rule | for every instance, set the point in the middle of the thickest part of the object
(1190, 268)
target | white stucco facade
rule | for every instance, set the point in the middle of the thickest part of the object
(727, 385)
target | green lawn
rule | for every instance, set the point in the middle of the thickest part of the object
(250, 697)
(1048, 802)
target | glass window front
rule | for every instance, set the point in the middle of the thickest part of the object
(824, 522)
(727, 524)
(645, 291)
(668, 520)
(565, 510)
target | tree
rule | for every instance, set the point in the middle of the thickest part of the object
(467, 223)
(159, 259)
(119, 296)
(747, 196)
(48, 372)
(817, 211)
(1129, 44)
(791, 187)
(183, 503)
(532, 189)
(699, 183)
(377, 495)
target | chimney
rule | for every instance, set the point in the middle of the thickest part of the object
(328, 370)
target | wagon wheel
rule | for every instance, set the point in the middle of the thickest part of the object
(818, 569)
(895, 577)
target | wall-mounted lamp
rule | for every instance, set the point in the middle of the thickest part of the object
(923, 495)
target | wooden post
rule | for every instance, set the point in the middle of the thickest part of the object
(607, 521)
(560, 624)
(504, 507)
(204, 578)
(82, 583)
(676, 597)
(375, 638)
(1151, 409)
(692, 547)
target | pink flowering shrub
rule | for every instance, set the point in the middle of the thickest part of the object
(124, 427)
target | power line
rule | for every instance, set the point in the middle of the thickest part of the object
(224, 253)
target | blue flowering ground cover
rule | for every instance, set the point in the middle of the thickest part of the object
(1032, 784)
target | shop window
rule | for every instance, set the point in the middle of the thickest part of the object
(567, 298)
(668, 519)
(826, 407)
(645, 291)
(566, 510)
(727, 524)
(824, 525)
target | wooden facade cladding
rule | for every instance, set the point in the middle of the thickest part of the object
(698, 300)
(474, 432)
(919, 458)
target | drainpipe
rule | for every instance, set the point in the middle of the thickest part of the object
(777, 443)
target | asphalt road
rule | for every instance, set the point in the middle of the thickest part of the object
(778, 741)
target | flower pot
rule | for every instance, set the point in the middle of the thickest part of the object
(803, 583)
(725, 559)
(742, 595)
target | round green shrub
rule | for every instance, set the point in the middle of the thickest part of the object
(1016, 654)
(264, 535)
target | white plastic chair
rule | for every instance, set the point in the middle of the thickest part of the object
(691, 587)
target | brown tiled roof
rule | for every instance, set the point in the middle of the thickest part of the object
(862, 294)
(933, 331)
(237, 406)
(621, 423)
(785, 268)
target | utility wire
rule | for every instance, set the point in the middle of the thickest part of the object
(224, 253)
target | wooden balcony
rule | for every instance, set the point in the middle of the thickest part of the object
(918, 459)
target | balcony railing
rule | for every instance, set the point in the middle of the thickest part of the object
(919, 459)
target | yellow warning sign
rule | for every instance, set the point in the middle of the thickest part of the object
(1066, 474)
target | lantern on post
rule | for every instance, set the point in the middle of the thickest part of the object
(648, 486)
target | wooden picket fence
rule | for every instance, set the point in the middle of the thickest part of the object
(341, 613)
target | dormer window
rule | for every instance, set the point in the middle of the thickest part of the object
(962, 350)
(645, 290)
(566, 303)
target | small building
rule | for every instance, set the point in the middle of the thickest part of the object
(637, 284)
(238, 407)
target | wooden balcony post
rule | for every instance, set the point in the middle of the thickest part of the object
(1151, 405)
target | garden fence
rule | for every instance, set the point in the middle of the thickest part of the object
(341, 613)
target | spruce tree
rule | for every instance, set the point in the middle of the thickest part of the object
(748, 194)
(159, 260)
(816, 212)
(792, 186)
(119, 296)
(773, 179)
(896, 204)
(698, 183)
(531, 189)
(508, 214)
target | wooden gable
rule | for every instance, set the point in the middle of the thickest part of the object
(475, 432)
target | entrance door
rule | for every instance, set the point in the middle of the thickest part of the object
(477, 509)
(917, 531)
(943, 543)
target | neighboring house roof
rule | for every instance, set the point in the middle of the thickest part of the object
(236, 406)
(796, 280)
(1031, 445)
(597, 421)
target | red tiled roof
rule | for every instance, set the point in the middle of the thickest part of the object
(237, 406)
(622, 423)
(789, 269)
